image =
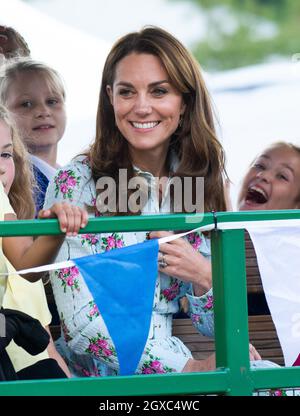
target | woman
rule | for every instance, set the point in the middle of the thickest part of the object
(154, 123)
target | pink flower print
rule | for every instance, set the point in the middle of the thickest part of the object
(70, 281)
(119, 243)
(68, 277)
(63, 188)
(102, 343)
(278, 393)
(99, 347)
(195, 240)
(71, 182)
(90, 239)
(157, 367)
(147, 371)
(62, 176)
(107, 352)
(111, 242)
(94, 348)
(65, 182)
(171, 292)
(93, 312)
(154, 366)
(210, 303)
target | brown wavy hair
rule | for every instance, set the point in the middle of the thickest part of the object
(20, 194)
(195, 142)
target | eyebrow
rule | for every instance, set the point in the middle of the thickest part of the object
(152, 84)
(285, 165)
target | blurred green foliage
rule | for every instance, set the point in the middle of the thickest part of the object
(245, 32)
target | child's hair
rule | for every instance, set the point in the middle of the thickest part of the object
(12, 68)
(283, 144)
(21, 192)
(19, 46)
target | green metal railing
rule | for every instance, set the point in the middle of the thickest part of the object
(233, 375)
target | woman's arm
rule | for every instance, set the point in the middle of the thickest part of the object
(24, 252)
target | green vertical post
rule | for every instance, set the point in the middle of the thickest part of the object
(230, 306)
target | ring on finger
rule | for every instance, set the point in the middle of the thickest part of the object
(162, 262)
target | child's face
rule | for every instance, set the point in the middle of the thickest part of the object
(7, 166)
(39, 112)
(272, 182)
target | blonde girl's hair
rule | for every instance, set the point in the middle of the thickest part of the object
(14, 67)
(21, 192)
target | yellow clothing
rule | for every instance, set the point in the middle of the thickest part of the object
(23, 296)
(5, 208)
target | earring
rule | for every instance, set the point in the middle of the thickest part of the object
(180, 121)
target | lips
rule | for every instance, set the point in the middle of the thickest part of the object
(144, 125)
(43, 127)
(257, 195)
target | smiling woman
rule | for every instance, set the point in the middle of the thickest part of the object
(154, 121)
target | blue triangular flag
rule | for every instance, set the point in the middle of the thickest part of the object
(122, 283)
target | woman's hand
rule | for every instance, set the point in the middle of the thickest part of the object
(179, 259)
(253, 354)
(209, 363)
(70, 217)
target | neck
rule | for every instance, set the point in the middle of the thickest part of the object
(48, 154)
(153, 163)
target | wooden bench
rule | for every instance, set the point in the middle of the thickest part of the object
(262, 332)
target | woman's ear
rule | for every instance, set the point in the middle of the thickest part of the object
(110, 94)
(182, 110)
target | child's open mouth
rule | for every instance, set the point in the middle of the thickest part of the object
(256, 195)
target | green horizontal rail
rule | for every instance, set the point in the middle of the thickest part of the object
(233, 376)
(141, 223)
(165, 384)
(275, 378)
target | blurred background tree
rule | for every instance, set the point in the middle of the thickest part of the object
(245, 32)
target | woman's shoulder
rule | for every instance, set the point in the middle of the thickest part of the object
(72, 181)
(79, 165)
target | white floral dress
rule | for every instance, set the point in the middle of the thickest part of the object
(82, 325)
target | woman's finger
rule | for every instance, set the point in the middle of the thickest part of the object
(159, 234)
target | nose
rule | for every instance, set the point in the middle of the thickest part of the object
(2, 169)
(265, 175)
(42, 111)
(142, 106)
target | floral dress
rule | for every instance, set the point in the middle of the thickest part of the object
(83, 327)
